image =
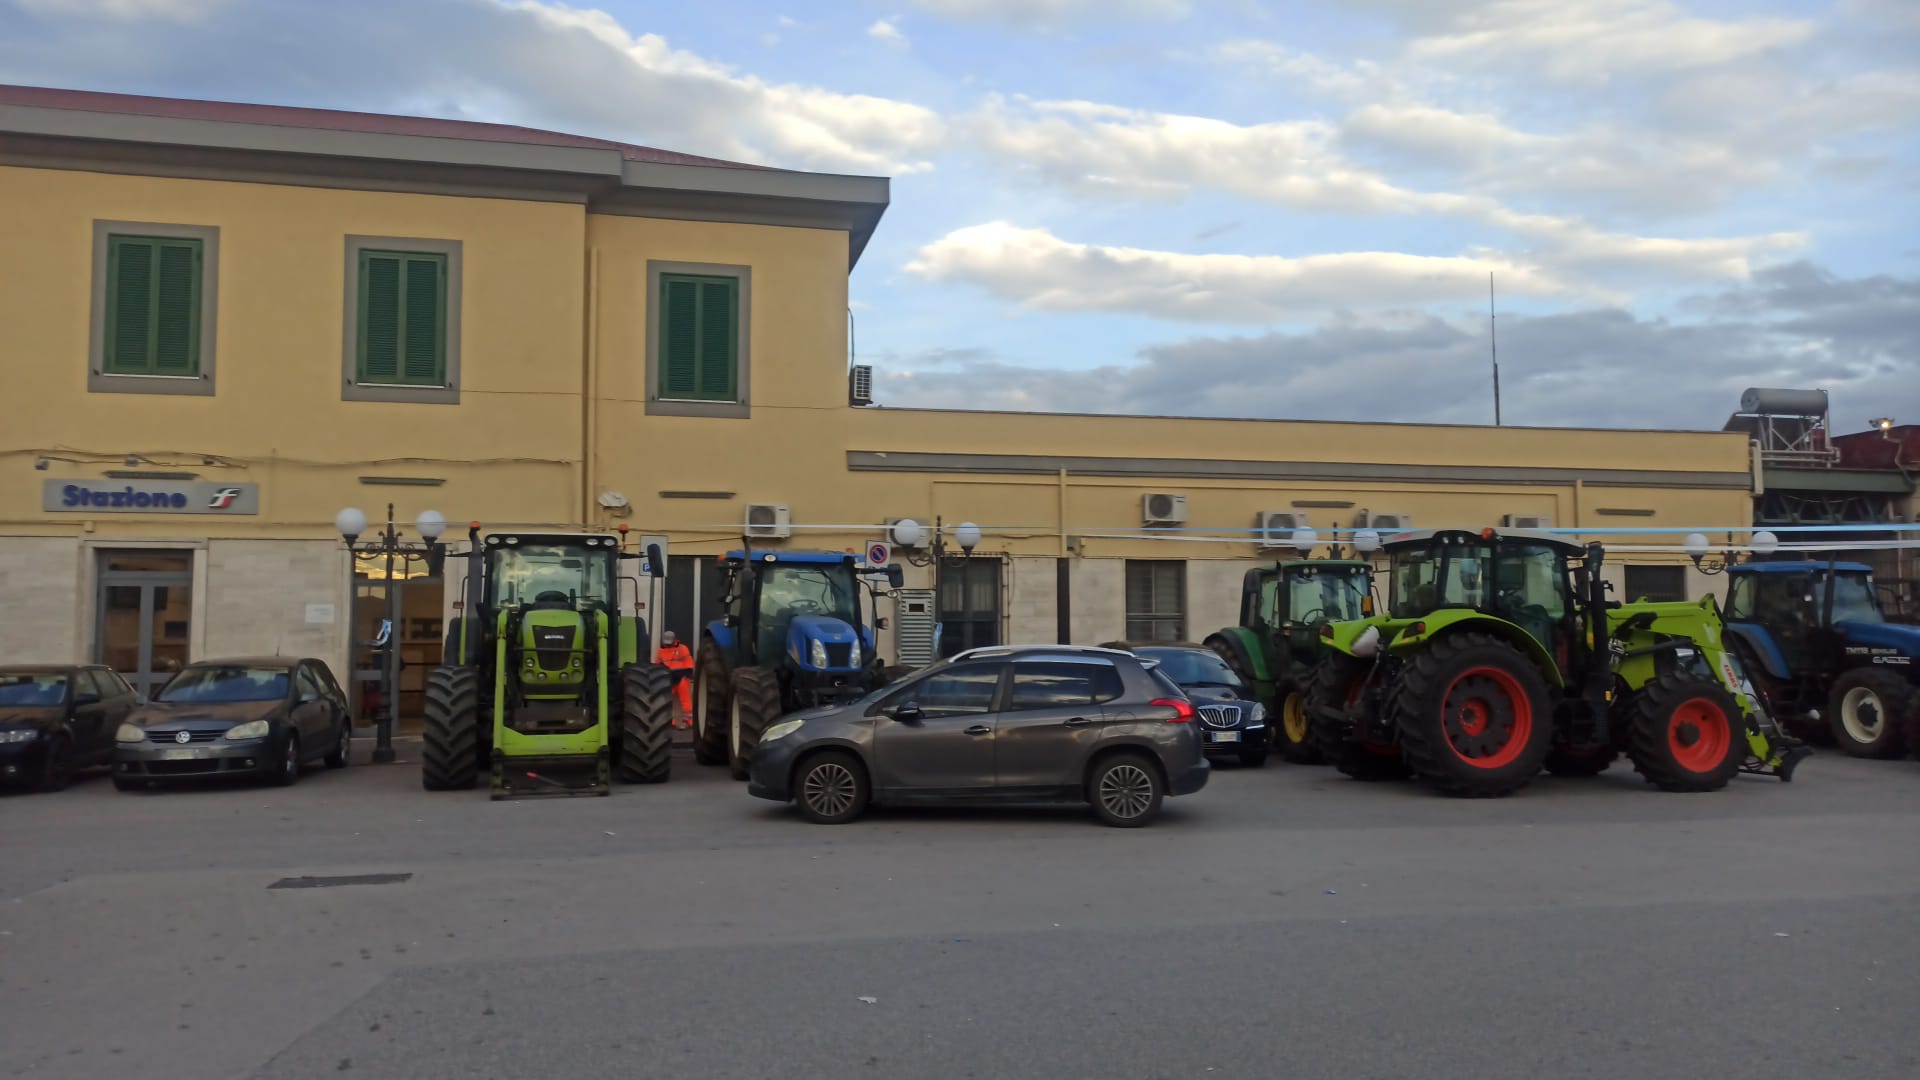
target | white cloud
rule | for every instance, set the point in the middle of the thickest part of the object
(1036, 13)
(887, 33)
(1038, 270)
(1796, 323)
(1123, 153)
(184, 11)
(1594, 40)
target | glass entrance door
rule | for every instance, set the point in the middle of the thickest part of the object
(144, 617)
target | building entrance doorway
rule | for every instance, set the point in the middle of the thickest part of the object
(143, 616)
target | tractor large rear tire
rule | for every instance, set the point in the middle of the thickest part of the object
(1473, 716)
(1865, 711)
(450, 736)
(1336, 684)
(709, 704)
(1686, 733)
(646, 724)
(755, 707)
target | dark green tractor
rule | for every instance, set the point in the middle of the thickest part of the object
(1277, 644)
(544, 682)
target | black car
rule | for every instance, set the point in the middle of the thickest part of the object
(263, 718)
(1035, 723)
(58, 719)
(1233, 724)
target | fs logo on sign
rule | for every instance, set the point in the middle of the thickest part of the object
(223, 498)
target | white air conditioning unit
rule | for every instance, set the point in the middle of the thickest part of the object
(768, 521)
(860, 385)
(1163, 508)
(1526, 521)
(1383, 522)
(1276, 527)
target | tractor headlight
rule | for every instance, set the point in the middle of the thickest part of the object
(130, 733)
(780, 730)
(252, 729)
(853, 655)
(817, 653)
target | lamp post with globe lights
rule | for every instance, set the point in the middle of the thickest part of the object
(1698, 547)
(908, 533)
(352, 523)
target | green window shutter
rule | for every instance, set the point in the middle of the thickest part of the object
(679, 338)
(153, 306)
(403, 318)
(699, 357)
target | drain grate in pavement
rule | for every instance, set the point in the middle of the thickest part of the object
(346, 879)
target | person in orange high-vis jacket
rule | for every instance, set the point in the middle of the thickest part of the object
(678, 659)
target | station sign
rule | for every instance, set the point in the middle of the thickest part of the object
(149, 497)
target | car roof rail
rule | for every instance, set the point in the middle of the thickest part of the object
(1008, 650)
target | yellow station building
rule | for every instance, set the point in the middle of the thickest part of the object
(227, 322)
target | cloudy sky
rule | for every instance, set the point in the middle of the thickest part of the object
(1218, 207)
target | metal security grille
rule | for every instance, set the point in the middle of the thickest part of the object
(1220, 716)
(913, 626)
(1156, 600)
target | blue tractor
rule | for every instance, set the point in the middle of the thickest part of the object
(792, 638)
(1833, 669)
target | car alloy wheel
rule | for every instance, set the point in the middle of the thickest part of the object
(829, 789)
(1126, 791)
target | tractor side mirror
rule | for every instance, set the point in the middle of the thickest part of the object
(880, 623)
(656, 562)
(896, 577)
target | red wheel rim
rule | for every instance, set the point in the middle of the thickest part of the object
(1488, 717)
(1698, 735)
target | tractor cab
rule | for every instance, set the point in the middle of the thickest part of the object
(1296, 596)
(1523, 578)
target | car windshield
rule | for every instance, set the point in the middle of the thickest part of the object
(40, 688)
(550, 573)
(220, 684)
(1332, 594)
(1853, 599)
(1195, 667)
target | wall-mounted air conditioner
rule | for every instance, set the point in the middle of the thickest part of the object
(1276, 527)
(1526, 521)
(769, 521)
(1383, 522)
(1163, 508)
(860, 385)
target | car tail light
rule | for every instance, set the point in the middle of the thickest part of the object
(1182, 709)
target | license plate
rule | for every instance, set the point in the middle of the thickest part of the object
(1223, 736)
(182, 754)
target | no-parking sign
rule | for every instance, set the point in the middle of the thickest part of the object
(879, 554)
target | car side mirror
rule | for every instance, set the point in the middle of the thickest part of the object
(909, 713)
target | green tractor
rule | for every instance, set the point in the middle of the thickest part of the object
(1500, 655)
(544, 682)
(1277, 644)
(792, 638)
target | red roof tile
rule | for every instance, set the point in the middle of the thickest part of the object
(337, 120)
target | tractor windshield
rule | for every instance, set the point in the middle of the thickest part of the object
(789, 589)
(1428, 578)
(1320, 595)
(1854, 600)
(548, 573)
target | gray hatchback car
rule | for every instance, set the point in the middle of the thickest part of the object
(1021, 724)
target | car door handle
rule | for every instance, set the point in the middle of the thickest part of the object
(979, 729)
(1078, 721)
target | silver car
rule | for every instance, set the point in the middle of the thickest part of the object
(1010, 724)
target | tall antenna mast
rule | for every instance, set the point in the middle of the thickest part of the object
(1493, 350)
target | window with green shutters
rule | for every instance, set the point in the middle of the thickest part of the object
(403, 318)
(153, 306)
(699, 357)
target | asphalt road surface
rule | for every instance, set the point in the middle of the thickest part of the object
(1283, 922)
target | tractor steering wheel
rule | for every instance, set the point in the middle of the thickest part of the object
(1311, 617)
(551, 596)
(805, 607)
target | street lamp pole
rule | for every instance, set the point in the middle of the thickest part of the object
(351, 523)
